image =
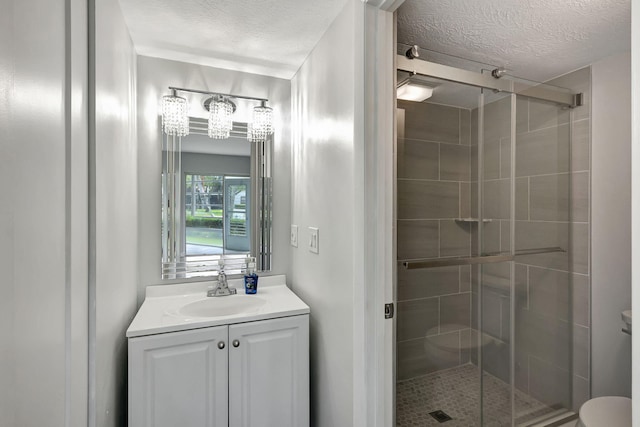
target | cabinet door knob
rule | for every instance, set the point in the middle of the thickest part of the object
(236, 343)
(221, 345)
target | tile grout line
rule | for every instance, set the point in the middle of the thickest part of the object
(439, 162)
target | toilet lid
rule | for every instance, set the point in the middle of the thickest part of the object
(610, 411)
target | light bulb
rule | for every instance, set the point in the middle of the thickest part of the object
(414, 92)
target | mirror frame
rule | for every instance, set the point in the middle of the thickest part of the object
(173, 263)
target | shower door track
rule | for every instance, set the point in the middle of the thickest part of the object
(457, 75)
(486, 259)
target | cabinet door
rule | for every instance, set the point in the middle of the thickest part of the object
(179, 379)
(269, 373)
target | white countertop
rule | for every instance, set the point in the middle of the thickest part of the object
(160, 311)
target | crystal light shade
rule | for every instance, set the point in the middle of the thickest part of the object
(253, 137)
(262, 124)
(175, 121)
(220, 120)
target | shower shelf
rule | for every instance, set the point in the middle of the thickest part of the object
(472, 220)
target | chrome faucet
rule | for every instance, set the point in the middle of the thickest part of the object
(222, 289)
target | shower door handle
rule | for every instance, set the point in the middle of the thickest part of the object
(447, 262)
(485, 259)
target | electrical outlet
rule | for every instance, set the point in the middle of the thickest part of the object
(314, 242)
(294, 236)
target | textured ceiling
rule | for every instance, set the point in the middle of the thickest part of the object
(271, 37)
(536, 39)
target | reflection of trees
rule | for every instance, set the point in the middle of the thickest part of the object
(212, 184)
(205, 196)
(205, 191)
(234, 191)
(201, 200)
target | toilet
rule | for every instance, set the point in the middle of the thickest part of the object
(609, 411)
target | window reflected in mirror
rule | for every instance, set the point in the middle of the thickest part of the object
(216, 202)
(217, 214)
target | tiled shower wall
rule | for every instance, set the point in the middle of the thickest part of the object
(434, 175)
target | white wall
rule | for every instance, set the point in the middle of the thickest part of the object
(113, 212)
(43, 231)
(201, 163)
(326, 192)
(154, 76)
(78, 214)
(611, 225)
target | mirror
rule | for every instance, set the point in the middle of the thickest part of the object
(216, 194)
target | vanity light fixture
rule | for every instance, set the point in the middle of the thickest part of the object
(220, 118)
(175, 120)
(251, 136)
(261, 125)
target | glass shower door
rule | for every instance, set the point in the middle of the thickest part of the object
(523, 306)
(492, 277)
(484, 332)
(545, 218)
(437, 345)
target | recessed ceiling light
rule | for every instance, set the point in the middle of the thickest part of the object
(413, 91)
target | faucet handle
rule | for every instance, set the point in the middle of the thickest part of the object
(221, 291)
(222, 278)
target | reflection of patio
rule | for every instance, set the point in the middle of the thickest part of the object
(204, 236)
(203, 241)
(208, 250)
(203, 249)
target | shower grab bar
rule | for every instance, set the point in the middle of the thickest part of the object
(485, 259)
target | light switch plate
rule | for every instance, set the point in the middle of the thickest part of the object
(294, 236)
(314, 240)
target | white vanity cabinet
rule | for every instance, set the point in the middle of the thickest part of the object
(179, 379)
(253, 374)
(269, 373)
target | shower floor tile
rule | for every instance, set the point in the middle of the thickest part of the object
(456, 392)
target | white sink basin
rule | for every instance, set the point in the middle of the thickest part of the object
(222, 306)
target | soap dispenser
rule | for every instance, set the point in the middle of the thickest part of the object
(250, 277)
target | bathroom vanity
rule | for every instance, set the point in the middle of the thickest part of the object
(239, 360)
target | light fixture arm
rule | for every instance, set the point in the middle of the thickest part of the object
(204, 92)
